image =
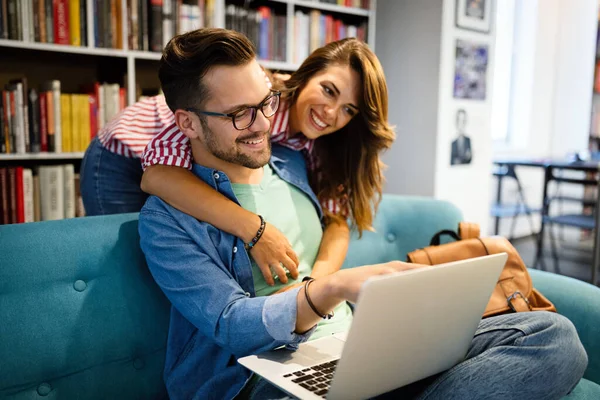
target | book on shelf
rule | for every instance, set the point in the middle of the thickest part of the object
(69, 190)
(52, 192)
(3, 130)
(4, 207)
(28, 206)
(42, 193)
(51, 121)
(34, 120)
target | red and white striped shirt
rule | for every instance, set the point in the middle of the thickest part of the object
(128, 134)
(147, 130)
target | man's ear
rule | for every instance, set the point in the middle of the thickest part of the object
(188, 123)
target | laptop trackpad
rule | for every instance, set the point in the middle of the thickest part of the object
(309, 353)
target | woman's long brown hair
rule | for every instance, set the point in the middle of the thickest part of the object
(349, 168)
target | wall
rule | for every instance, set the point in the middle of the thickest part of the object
(408, 47)
(464, 185)
(575, 74)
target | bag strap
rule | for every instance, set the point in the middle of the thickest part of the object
(514, 298)
(435, 240)
(468, 230)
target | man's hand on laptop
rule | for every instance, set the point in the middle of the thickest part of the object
(350, 280)
(273, 254)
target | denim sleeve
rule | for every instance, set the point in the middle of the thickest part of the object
(188, 267)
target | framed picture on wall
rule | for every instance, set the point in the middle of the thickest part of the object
(470, 70)
(474, 15)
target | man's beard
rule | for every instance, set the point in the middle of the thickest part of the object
(234, 155)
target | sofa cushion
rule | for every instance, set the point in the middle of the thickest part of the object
(580, 302)
(585, 390)
(80, 312)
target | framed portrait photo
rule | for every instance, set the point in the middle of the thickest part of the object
(474, 15)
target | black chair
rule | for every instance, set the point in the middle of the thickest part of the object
(584, 220)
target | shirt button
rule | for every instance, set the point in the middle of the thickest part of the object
(235, 249)
(247, 294)
(216, 176)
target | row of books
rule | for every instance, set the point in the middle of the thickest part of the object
(263, 27)
(150, 23)
(366, 4)
(44, 21)
(316, 29)
(43, 193)
(46, 120)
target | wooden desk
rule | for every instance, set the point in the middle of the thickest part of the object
(550, 166)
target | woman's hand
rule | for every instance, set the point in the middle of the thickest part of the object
(271, 251)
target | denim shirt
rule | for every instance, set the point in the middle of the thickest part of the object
(207, 275)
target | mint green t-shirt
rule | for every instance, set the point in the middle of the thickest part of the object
(292, 212)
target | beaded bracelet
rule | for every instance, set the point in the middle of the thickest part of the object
(259, 234)
(310, 303)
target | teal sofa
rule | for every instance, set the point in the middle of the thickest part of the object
(81, 317)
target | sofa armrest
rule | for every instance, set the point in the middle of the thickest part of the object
(580, 302)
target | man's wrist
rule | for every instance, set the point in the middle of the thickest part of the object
(259, 233)
(331, 287)
(249, 226)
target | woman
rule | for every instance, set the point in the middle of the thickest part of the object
(335, 111)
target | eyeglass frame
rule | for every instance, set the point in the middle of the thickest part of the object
(233, 114)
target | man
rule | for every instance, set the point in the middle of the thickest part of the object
(221, 307)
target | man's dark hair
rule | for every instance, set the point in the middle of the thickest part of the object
(187, 58)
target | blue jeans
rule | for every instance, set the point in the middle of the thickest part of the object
(110, 183)
(514, 356)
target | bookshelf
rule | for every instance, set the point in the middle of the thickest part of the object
(132, 56)
(107, 44)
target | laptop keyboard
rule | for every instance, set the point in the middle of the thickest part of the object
(316, 378)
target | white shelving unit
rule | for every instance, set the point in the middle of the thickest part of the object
(132, 56)
(41, 156)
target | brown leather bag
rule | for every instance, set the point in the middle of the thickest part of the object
(514, 291)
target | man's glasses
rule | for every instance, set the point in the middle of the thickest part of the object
(245, 117)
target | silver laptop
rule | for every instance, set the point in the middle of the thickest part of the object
(407, 326)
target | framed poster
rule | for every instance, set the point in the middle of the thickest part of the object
(470, 70)
(474, 15)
